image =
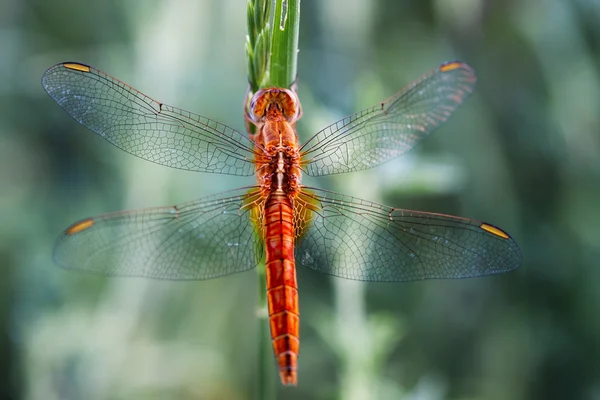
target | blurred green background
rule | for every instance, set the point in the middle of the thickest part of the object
(522, 153)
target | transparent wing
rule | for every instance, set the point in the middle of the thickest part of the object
(356, 239)
(145, 127)
(378, 134)
(212, 237)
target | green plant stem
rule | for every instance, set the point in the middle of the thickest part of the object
(266, 373)
(284, 47)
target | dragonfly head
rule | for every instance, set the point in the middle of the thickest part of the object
(274, 102)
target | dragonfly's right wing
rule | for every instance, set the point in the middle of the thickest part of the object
(360, 240)
(385, 131)
(145, 127)
(204, 239)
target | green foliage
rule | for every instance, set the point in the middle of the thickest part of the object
(258, 42)
(272, 42)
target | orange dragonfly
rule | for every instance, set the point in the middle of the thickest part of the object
(279, 220)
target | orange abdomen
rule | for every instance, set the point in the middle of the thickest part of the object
(282, 289)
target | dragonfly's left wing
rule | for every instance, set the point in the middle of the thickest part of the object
(360, 240)
(145, 127)
(380, 133)
(204, 239)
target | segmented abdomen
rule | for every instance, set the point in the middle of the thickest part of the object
(282, 289)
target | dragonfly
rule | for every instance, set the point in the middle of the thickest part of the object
(278, 220)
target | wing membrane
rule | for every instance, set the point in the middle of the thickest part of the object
(145, 127)
(212, 237)
(360, 240)
(378, 134)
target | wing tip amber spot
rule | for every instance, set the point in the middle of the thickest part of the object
(494, 231)
(451, 66)
(77, 67)
(79, 226)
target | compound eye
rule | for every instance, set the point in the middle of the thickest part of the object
(257, 106)
(292, 110)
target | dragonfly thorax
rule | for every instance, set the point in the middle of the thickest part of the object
(280, 172)
(274, 112)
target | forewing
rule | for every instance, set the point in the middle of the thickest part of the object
(360, 240)
(380, 133)
(145, 127)
(212, 237)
